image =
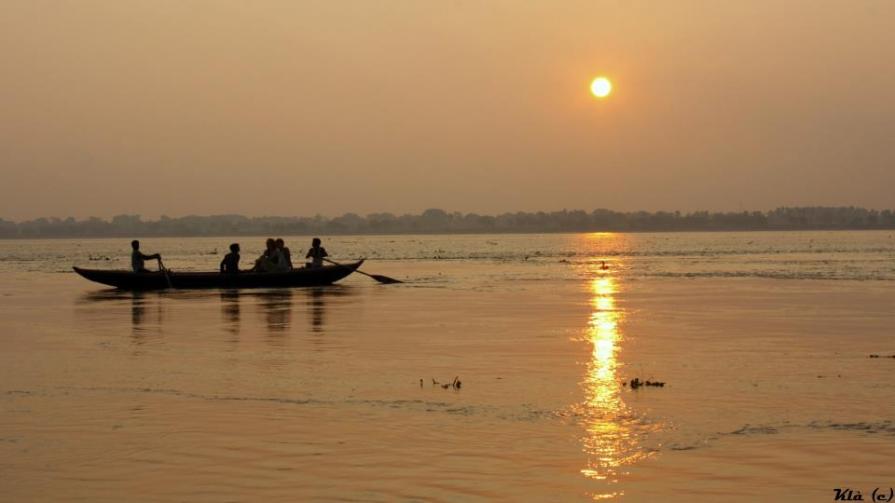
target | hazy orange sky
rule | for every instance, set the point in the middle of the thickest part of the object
(298, 107)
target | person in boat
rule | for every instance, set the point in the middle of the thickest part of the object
(286, 255)
(138, 259)
(230, 264)
(278, 261)
(317, 253)
(267, 261)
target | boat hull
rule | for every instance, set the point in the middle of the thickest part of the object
(128, 280)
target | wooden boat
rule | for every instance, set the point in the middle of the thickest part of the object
(158, 280)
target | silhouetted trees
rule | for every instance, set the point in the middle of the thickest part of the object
(439, 221)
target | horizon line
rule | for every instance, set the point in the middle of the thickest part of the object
(162, 217)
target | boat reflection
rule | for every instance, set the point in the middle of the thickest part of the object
(147, 313)
(146, 318)
(276, 306)
(138, 310)
(231, 310)
(610, 441)
(317, 308)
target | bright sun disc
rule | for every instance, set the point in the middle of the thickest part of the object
(601, 87)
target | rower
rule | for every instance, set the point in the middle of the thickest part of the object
(316, 254)
(138, 258)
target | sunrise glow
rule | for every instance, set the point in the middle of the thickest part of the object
(601, 87)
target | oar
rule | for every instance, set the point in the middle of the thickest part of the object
(385, 280)
(165, 272)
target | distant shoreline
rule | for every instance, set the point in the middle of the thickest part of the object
(479, 233)
(440, 222)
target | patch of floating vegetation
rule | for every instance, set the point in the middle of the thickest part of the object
(637, 383)
(455, 384)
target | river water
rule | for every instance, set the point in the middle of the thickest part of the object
(763, 341)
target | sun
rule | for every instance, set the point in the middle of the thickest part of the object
(601, 87)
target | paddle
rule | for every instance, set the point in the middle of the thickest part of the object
(164, 270)
(385, 280)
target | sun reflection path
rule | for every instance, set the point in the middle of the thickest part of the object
(610, 441)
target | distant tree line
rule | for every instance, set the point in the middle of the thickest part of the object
(435, 221)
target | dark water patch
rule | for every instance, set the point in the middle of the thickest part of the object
(524, 412)
(755, 430)
(884, 427)
(16, 392)
(291, 401)
(393, 404)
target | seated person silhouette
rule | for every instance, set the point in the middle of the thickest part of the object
(230, 264)
(285, 255)
(138, 259)
(316, 254)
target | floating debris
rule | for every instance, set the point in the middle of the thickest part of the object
(878, 356)
(636, 383)
(456, 384)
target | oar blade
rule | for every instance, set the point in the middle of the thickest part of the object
(385, 280)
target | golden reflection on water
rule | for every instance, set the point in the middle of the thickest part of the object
(610, 441)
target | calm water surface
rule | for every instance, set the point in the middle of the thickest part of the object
(328, 394)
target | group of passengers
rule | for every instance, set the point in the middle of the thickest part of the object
(276, 257)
